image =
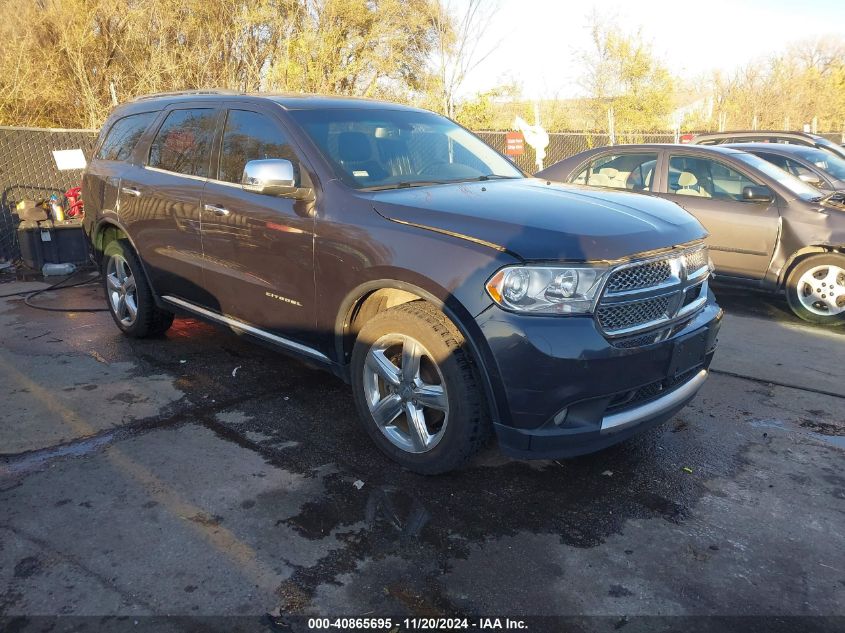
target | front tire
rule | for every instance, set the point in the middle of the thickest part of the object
(815, 289)
(128, 293)
(416, 389)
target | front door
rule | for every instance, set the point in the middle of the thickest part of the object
(258, 249)
(743, 234)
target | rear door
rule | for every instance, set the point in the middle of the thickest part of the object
(111, 161)
(160, 200)
(743, 234)
(258, 248)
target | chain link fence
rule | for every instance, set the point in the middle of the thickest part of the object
(28, 170)
(565, 144)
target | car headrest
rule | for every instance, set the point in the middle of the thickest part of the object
(686, 179)
(353, 147)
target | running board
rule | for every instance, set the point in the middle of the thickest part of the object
(249, 329)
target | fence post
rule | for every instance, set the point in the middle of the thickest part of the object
(611, 127)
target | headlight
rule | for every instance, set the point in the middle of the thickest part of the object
(546, 289)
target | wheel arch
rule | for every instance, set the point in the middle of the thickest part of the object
(803, 253)
(99, 243)
(380, 294)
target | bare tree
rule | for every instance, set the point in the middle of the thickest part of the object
(459, 37)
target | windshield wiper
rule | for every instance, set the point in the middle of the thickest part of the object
(406, 185)
(425, 183)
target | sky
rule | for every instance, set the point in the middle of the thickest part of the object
(534, 41)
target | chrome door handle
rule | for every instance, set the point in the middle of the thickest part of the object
(216, 210)
(130, 191)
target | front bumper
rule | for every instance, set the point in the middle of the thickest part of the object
(569, 391)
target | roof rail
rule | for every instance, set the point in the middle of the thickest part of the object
(188, 93)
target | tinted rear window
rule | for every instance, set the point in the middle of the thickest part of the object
(183, 143)
(124, 135)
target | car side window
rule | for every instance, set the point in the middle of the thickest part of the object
(775, 159)
(250, 136)
(799, 170)
(706, 178)
(123, 136)
(634, 172)
(183, 143)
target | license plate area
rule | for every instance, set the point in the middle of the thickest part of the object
(688, 352)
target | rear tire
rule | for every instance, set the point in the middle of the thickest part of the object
(815, 289)
(416, 389)
(128, 293)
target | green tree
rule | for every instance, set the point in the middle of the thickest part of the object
(65, 63)
(622, 76)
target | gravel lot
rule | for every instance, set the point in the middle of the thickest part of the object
(202, 475)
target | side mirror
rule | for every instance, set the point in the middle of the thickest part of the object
(757, 194)
(273, 177)
(811, 179)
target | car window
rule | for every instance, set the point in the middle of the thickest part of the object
(124, 135)
(250, 136)
(774, 159)
(787, 164)
(794, 185)
(797, 169)
(619, 171)
(183, 143)
(827, 162)
(706, 178)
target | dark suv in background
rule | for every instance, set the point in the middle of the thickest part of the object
(764, 136)
(395, 248)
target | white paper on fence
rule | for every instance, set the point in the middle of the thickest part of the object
(69, 159)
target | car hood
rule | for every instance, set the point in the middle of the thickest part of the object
(535, 220)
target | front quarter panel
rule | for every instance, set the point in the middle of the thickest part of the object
(355, 247)
(806, 227)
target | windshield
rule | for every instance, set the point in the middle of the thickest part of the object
(387, 149)
(825, 161)
(797, 187)
(831, 147)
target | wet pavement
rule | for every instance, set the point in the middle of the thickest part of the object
(200, 474)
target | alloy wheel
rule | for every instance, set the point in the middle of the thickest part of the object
(406, 393)
(120, 285)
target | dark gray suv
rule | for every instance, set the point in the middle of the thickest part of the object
(388, 244)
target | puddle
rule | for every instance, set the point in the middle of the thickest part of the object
(835, 440)
(32, 461)
(824, 431)
(770, 423)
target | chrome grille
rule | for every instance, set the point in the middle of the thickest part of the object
(626, 315)
(653, 293)
(640, 276)
(695, 260)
